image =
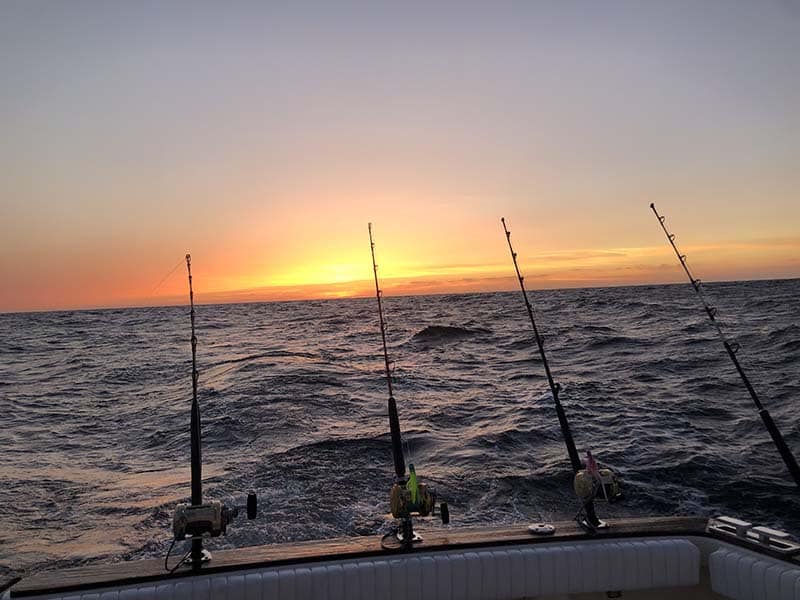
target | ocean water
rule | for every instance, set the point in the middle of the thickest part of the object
(94, 413)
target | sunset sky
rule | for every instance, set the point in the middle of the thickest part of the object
(263, 137)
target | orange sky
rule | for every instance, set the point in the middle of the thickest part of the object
(580, 268)
(347, 271)
(262, 140)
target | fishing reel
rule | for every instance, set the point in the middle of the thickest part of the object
(210, 519)
(414, 499)
(605, 485)
(594, 483)
(403, 504)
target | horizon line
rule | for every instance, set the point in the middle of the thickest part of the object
(199, 302)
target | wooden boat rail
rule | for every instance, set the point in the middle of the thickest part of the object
(141, 571)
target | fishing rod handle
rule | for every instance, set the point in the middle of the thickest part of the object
(780, 444)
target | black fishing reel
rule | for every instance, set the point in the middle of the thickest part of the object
(208, 520)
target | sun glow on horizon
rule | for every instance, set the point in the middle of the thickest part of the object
(563, 268)
(266, 152)
(763, 259)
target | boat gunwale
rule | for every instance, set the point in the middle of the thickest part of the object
(93, 577)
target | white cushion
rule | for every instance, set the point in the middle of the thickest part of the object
(743, 575)
(504, 573)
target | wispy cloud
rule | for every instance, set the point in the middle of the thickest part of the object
(574, 255)
(569, 268)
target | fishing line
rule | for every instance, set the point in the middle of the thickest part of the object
(169, 552)
(146, 311)
(171, 271)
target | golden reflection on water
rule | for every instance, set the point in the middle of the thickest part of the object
(124, 493)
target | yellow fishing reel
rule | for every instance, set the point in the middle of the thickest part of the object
(606, 487)
(404, 504)
(415, 498)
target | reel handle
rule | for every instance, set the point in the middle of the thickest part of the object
(444, 513)
(252, 506)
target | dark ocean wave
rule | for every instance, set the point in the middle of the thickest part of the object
(445, 333)
(792, 346)
(95, 411)
(616, 341)
(789, 333)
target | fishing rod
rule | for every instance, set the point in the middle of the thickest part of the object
(587, 493)
(394, 420)
(732, 348)
(196, 520)
(197, 461)
(408, 496)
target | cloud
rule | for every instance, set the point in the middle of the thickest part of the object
(579, 255)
